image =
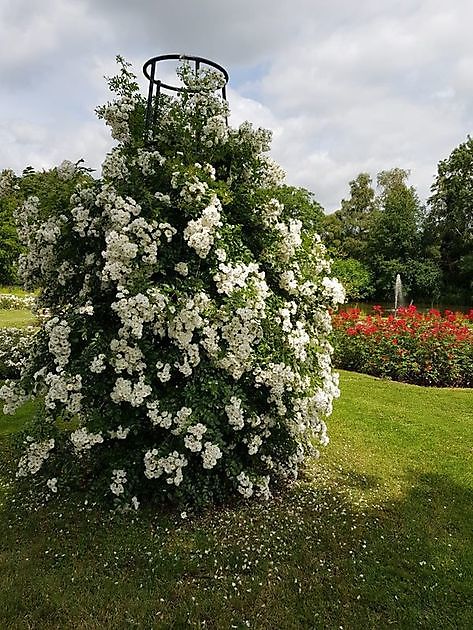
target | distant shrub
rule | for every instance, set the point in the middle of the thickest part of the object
(426, 349)
(9, 301)
(356, 278)
(15, 344)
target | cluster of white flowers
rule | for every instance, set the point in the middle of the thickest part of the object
(171, 465)
(15, 345)
(272, 173)
(201, 233)
(181, 420)
(181, 329)
(193, 438)
(146, 161)
(65, 389)
(97, 365)
(163, 198)
(66, 170)
(271, 212)
(333, 290)
(243, 331)
(83, 440)
(7, 182)
(128, 239)
(280, 379)
(118, 482)
(208, 169)
(235, 413)
(210, 455)
(254, 444)
(40, 238)
(159, 418)
(288, 282)
(59, 345)
(114, 166)
(136, 310)
(182, 268)
(52, 484)
(299, 339)
(245, 485)
(119, 253)
(231, 277)
(194, 190)
(290, 238)
(13, 396)
(120, 433)
(215, 131)
(131, 392)
(34, 457)
(82, 223)
(116, 116)
(163, 371)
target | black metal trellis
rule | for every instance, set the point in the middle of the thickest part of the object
(156, 85)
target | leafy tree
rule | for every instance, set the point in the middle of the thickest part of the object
(394, 229)
(394, 232)
(9, 244)
(346, 230)
(450, 217)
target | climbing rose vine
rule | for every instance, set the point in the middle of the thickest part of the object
(186, 353)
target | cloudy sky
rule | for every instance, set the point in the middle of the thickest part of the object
(345, 86)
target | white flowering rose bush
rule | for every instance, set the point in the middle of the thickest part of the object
(187, 354)
(15, 346)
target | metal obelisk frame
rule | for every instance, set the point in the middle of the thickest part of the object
(156, 85)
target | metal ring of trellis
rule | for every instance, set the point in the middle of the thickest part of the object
(156, 85)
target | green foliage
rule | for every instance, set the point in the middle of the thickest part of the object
(346, 231)
(450, 216)
(393, 239)
(387, 232)
(357, 278)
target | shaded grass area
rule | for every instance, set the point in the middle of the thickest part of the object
(16, 318)
(378, 534)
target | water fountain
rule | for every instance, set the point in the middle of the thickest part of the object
(398, 293)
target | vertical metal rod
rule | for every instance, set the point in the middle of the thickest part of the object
(224, 95)
(156, 103)
(150, 101)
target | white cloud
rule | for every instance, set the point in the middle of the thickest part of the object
(346, 87)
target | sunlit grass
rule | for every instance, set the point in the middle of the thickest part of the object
(378, 534)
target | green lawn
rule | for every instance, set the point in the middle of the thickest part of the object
(14, 290)
(16, 319)
(378, 535)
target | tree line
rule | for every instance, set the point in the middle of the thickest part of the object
(379, 233)
(382, 229)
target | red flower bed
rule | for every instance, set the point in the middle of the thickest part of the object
(424, 348)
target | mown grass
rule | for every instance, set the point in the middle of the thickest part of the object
(377, 535)
(16, 318)
(14, 290)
